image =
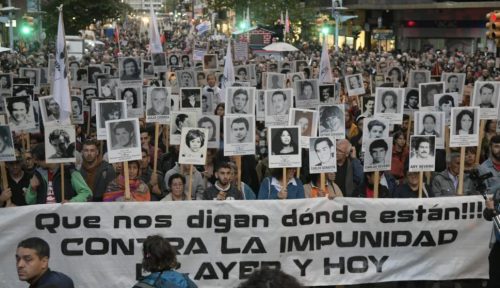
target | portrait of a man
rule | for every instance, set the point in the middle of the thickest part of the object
(279, 103)
(20, 112)
(62, 143)
(157, 100)
(324, 148)
(378, 151)
(239, 131)
(240, 101)
(422, 150)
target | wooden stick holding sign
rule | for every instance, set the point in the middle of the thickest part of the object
(322, 181)
(460, 189)
(408, 132)
(284, 180)
(28, 142)
(127, 180)
(190, 186)
(238, 167)
(376, 182)
(62, 181)
(481, 135)
(420, 183)
(165, 137)
(155, 160)
(5, 182)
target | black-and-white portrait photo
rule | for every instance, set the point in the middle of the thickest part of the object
(7, 152)
(89, 92)
(378, 154)
(186, 61)
(389, 103)
(210, 62)
(60, 144)
(201, 79)
(418, 77)
(92, 72)
(331, 121)
(284, 146)
(106, 87)
(322, 155)
(275, 80)
(77, 109)
(239, 135)
(306, 93)
(51, 112)
(132, 95)
(422, 153)
(173, 60)
(185, 78)
(193, 148)
(367, 106)
(191, 99)
(106, 111)
(148, 70)
(300, 65)
(33, 74)
(444, 102)
(354, 85)
(453, 82)
(307, 120)
(157, 105)
(395, 76)
(486, 97)
(327, 94)
(240, 100)
(411, 99)
(375, 128)
(291, 78)
(464, 127)
(159, 59)
(278, 104)
(23, 90)
(427, 92)
(212, 124)
(130, 69)
(20, 113)
(5, 81)
(430, 123)
(123, 140)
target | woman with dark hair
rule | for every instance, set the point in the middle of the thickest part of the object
(130, 97)
(271, 187)
(159, 258)
(283, 143)
(139, 191)
(389, 102)
(465, 123)
(176, 185)
(131, 70)
(330, 119)
(220, 109)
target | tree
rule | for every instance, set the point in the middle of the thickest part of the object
(78, 14)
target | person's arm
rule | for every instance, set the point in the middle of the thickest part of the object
(200, 188)
(264, 189)
(30, 192)
(436, 186)
(82, 190)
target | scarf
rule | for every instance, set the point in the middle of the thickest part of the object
(116, 190)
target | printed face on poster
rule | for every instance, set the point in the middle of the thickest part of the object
(240, 100)
(389, 104)
(486, 97)
(378, 154)
(60, 144)
(159, 62)
(173, 60)
(5, 81)
(395, 76)
(107, 87)
(157, 105)
(32, 74)
(284, 146)
(239, 137)
(130, 69)
(454, 83)
(418, 77)
(20, 113)
(278, 104)
(261, 105)
(179, 120)
(51, 112)
(332, 121)
(123, 140)
(193, 148)
(77, 109)
(108, 110)
(427, 92)
(322, 155)
(306, 93)
(423, 152)
(132, 95)
(444, 102)
(275, 80)
(464, 127)
(375, 128)
(307, 120)
(185, 78)
(430, 123)
(212, 124)
(327, 94)
(367, 106)
(7, 152)
(411, 99)
(210, 62)
(191, 99)
(354, 84)
(148, 70)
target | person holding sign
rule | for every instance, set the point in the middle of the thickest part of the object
(45, 185)
(223, 189)
(271, 187)
(139, 191)
(313, 189)
(409, 189)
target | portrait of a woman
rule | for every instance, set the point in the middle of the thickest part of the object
(130, 70)
(389, 102)
(283, 142)
(331, 119)
(130, 97)
(195, 140)
(465, 123)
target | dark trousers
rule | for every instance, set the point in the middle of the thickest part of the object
(494, 260)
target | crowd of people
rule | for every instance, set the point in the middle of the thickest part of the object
(34, 180)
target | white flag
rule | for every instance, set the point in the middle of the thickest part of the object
(325, 72)
(154, 35)
(228, 77)
(61, 84)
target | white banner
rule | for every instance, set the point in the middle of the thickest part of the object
(219, 243)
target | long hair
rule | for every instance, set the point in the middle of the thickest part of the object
(277, 145)
(158, 254)
(459, 121)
